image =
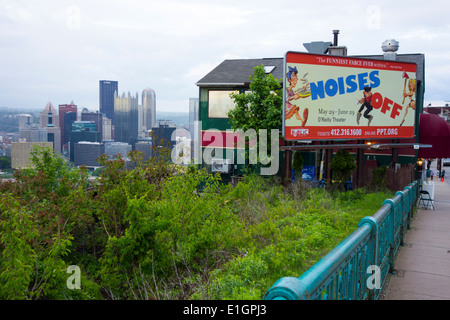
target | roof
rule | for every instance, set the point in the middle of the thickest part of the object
(49, 108)
(237, 72)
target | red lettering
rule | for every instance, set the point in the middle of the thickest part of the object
(386, 105)
(377, 100)
(395, 111)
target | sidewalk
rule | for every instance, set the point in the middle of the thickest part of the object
(423, 263)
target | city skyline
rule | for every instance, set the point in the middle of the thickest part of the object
(170, 45)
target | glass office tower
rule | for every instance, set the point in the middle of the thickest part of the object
(107, 90)
(63, 110)
(149, 108)
(126, 118)
(82, 131)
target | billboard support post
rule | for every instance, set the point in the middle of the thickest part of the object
(359, 165)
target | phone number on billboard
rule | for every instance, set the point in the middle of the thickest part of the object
(346, 132)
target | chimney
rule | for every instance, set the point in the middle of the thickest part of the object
(335, 32)
(335, 49)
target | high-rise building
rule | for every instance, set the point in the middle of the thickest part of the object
(126, 118)
(148, 109)
(69, 118)
(107, 90)
(162, 133)
(194, 127)
(107, 133)
(145, 147)
(31, 132)
(112, 149)
(93, 116)
(49, 120)
(87, 153)
(63, 110)
(49, 113)
(82, 131)
(24, 119)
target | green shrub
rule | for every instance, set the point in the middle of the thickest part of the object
(148, 233)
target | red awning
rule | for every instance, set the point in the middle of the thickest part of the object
(434, 130)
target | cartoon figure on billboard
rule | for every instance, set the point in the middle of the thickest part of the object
(410, 95)
(365, 103)
(304, 92)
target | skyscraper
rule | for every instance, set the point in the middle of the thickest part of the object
(49, 120)
(149, 108)
(24, 120)
(194, 127)
(93, 116)
(107, 90)
(69, 118)
(87, 153)
(126, 118)
(82, 131)
(107, 133)
(63, 109)
(49, 113)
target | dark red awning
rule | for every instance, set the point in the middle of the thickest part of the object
(434, 130)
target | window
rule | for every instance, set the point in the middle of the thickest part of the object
(219, 103)
(269, 69)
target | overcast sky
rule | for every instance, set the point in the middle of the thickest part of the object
(57, 50)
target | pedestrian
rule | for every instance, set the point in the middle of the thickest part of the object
(442, 175)
(431, 174)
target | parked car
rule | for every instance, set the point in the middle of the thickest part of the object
(446, 162)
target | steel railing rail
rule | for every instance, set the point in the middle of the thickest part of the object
(358, 267)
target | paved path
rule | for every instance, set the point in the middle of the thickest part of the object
(423, 264)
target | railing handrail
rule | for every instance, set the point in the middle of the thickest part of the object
(341, 274)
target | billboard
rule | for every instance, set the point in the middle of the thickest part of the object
(338, 97)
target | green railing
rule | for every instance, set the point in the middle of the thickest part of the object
(358, 267)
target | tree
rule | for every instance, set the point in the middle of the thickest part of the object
(260, 107)
(44, 216)
(5, 163)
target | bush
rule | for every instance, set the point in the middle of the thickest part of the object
(379, 178)
(148, 233)
(342, 166)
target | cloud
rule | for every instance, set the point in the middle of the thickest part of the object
(61, 49)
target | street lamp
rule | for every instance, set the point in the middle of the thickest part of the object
(419, 168)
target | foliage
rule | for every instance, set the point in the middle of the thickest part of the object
(297, 163)
(40, 217)
(151, 232)
(259, 108)
(342, 166)
(379, 178)
(5, 163)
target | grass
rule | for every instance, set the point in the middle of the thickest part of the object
(286, 231)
